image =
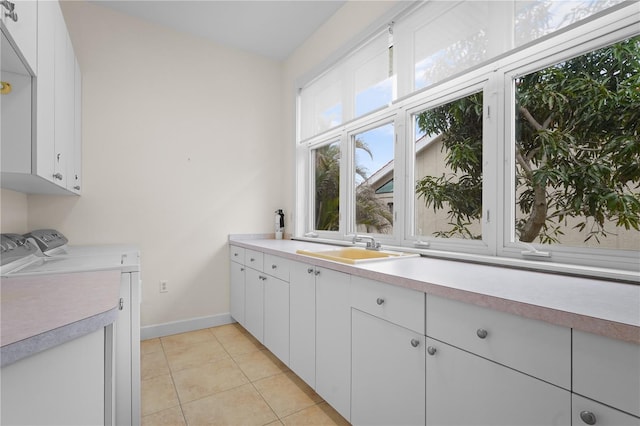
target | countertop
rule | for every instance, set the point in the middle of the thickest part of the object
(42, 311)
(607, 308)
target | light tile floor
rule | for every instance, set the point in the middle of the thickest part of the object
(224, 376)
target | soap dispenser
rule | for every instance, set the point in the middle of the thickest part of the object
(279, 224)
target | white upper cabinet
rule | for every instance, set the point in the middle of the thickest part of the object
(47, 161)
(20, 18)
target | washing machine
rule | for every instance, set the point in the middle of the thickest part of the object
(45, 252)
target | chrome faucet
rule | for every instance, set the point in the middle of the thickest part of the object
(371, 245)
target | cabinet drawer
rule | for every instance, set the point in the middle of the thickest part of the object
(236, 254)
(254, 259)
(607, 370)
(584, 411)
(276, 267)
(401, 306)
(534, 347)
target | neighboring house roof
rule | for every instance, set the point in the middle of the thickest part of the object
(383, 177)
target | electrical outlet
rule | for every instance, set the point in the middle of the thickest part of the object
(164, 286)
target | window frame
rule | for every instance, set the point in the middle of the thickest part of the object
(495, 79)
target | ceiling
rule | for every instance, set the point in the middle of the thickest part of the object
(267, 27)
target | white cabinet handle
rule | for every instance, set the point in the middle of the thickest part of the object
(380, 301)
(588, 417)
(482, 333)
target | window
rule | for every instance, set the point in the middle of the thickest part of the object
(508, 130)
(361, 83)
(326, 160)
(448, 169)
(374, 154)
(577, 150)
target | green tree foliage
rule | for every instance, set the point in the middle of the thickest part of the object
(577, 148)
(369, 210)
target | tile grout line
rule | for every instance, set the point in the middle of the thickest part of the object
(173, 382)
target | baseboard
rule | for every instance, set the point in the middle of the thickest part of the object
(182, 326)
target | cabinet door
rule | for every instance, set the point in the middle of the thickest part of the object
(237, 292)
(48, 14)
(302, 328)
(63, 385)
(23, 31)
(254, 303)
(333, 339)
(465, 389)
(76, 161)
(64, 98)
(607, 370)
(276, 317)
(388, 373)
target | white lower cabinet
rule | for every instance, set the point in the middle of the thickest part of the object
(607, 370)
(64, 385)
(127, 352)
(381, 354)
(333, 340)
(236, 283)
(254, 303)
(465, 389)
(276, 317)
(387, 373)
(302, 327)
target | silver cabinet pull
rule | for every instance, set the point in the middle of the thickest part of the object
(317, 272)
(262, 277)
(588, 417)
(482, 333)
(235, 254)
(241, 269)
(121, 304)
(274, 266)
(310, 270)
(77, 187)
(379, 300)
(415, 343)
(8, 5)
(252, 260)
(58, 176)
(12, 15)
(431, 350)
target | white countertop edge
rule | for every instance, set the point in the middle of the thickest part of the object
(16, 351)
(595, 317)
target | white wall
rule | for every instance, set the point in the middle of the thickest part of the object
(182, 144)
(13, 212)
